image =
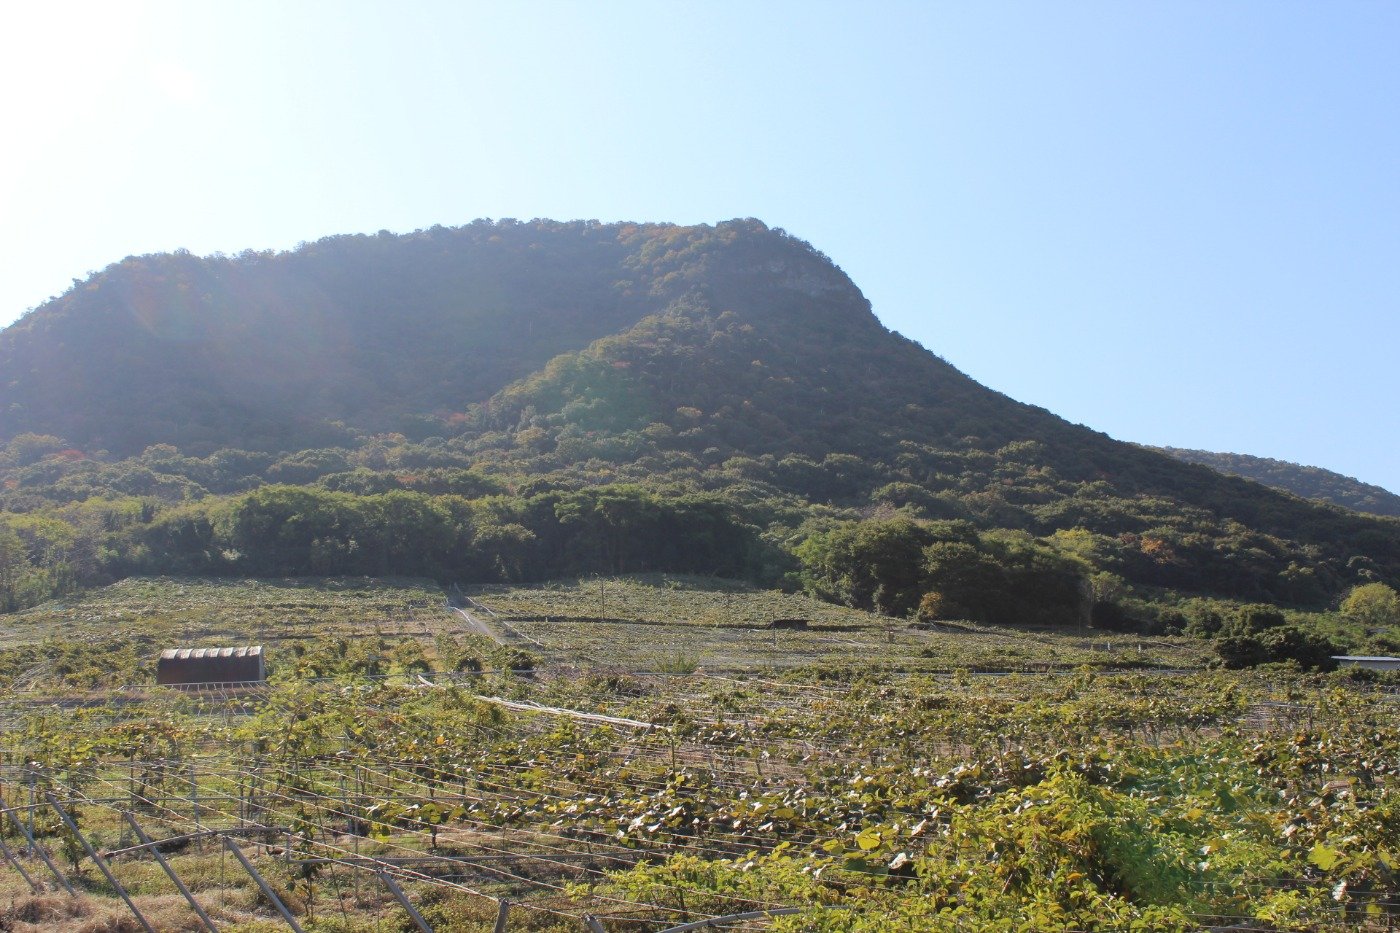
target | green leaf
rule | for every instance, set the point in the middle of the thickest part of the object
(1225, 800)
(1324, 857)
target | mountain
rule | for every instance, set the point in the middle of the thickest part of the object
(1310, 482)
(506, 400)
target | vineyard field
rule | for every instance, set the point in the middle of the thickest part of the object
(612, 774)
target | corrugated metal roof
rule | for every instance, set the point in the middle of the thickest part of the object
(183, 654)
(1363, 657)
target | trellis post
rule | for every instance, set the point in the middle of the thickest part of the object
(160, 860)
(402, 898)
(32, 779)
(262, 883)
(194, 797)
(98, 860)
(36, 849)
(14, 860)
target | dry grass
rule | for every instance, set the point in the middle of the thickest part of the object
(83, 914)
(213, 611)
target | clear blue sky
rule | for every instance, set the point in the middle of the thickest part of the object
(1178, 223)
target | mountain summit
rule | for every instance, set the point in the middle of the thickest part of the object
(409, 333)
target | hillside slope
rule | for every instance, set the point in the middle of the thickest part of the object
(1310, 482)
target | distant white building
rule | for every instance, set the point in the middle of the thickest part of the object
(1367, 661)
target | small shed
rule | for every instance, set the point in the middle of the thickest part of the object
(1370, 662)
(205, 666)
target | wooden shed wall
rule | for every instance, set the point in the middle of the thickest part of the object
(215, 669)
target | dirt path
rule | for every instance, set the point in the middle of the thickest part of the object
(478, 627)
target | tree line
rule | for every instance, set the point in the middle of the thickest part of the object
(306, 530)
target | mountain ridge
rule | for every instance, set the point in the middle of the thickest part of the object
(1309, 482)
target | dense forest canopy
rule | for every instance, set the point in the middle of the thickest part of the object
(510, 400)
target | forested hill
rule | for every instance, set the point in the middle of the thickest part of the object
(507, 400)
(1310, 482)
(283, 351)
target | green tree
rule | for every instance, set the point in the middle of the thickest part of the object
(1254, 619)
(869, 565)
(14, 567)
(1237, 651)
(24, 449)
(1309, 649)
(504, 549)
(1373, 604)
(968, 582)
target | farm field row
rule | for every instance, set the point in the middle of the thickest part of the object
(661, 622)
(631, 646)
(667, 598)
